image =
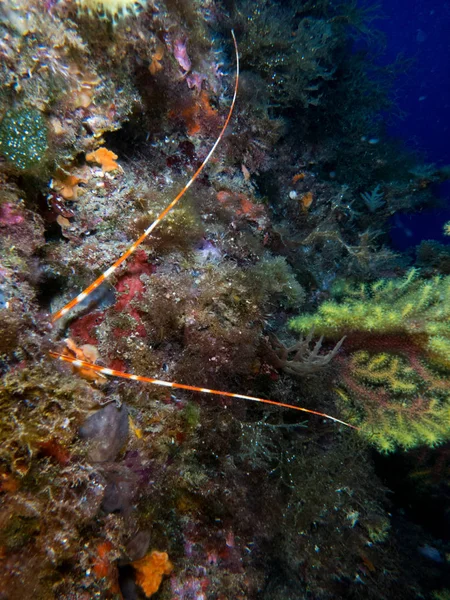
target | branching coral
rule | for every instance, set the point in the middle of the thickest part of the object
(300, 359)
(394, 382)
(374, 200)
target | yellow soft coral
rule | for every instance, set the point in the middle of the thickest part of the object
(410, 306)
(112, 9)
(392, 404)
(394, 376)
(150, 571)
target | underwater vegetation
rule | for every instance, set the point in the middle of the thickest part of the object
(117, 489)
(292, 48)
(394, 374)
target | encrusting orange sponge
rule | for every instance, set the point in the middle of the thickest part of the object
(150, 570)
(306, 200)
(105, 158)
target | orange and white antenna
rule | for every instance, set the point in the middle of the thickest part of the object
(113, 373)
(94, 285)
(84, 294)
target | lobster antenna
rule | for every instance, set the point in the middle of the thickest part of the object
(112, 372)
(94, 285)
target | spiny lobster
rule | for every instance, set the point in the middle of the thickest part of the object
(106, 274)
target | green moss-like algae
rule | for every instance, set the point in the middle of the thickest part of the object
(23, 138)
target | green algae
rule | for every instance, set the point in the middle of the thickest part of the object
(23, 138)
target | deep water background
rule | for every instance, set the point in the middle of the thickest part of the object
(420, 29)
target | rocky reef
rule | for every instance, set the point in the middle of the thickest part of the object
(117, 489)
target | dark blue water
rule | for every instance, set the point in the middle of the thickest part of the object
(420, 29)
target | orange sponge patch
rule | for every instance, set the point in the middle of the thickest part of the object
(105, 158)
(150, 571)
(306, 200)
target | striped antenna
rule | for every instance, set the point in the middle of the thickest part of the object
(85, 293)
(112, 372)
